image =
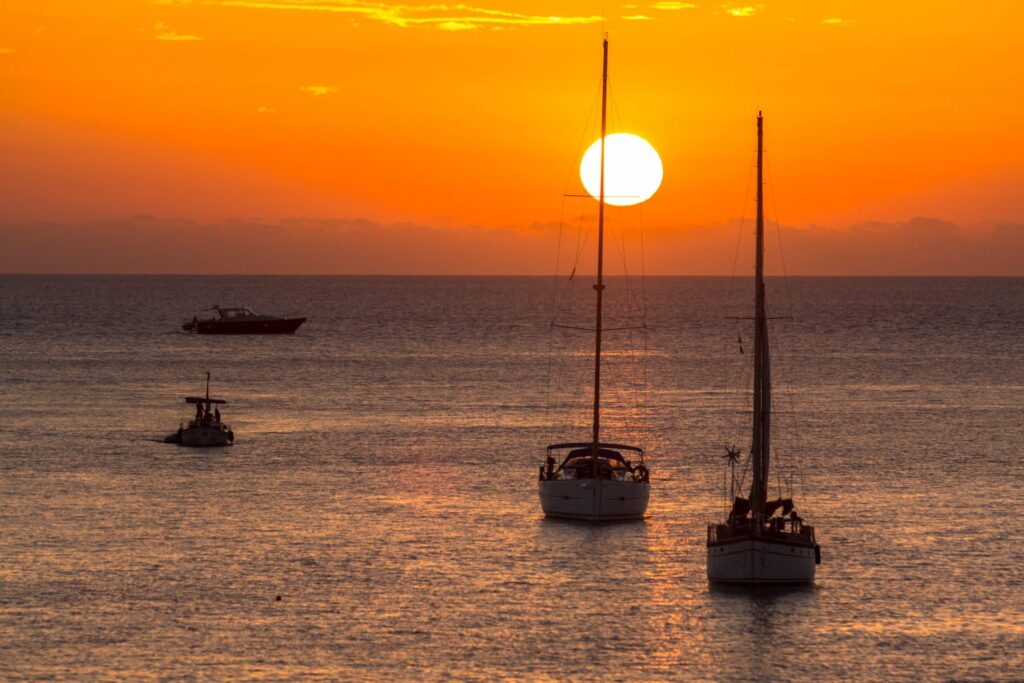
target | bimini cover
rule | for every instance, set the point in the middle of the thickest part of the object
(200, 399)
(601, 453)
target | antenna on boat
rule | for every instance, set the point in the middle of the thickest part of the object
(599, 287)
(207, 390)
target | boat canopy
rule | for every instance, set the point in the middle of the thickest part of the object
(589, 447)
(200, 399)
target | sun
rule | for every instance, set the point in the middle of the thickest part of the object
(632, 170)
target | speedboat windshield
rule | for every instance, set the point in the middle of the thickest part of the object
(235, 312)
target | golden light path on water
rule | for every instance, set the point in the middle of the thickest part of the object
(383, 483)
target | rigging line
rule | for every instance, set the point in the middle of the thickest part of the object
(739, 237)
(581, 243)
(558, 254)
(643, 316)
(788, 401)
(778, 235)
(783, 368)
(732, 277)
(590, 122)
(616, 117)
(633, 311)
(643, 263)
(554, 307)
(560, 408)
(617, 234)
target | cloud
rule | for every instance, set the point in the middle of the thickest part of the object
(637, 17)
(738, 11)
(457, 17)
(318, 90)
(455, 25)
(837, 21)
(672, 5)
(920, 246)
(163, 32)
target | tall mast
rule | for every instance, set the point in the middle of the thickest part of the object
(600, 261)
(207, 391)
(762, 363)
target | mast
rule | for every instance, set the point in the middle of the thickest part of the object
(599, 287)
(207, 392)
(762, 364)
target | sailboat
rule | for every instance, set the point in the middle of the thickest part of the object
(762, 541)
(595, 481)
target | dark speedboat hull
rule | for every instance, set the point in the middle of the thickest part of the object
(282, 326)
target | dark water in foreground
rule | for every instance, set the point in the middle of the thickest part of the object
(383, 483)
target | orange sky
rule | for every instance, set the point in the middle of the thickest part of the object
(472, 115)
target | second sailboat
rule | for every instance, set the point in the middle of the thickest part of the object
(593, 480)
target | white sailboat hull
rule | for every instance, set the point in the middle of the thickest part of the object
(760, 561)
(594, 500)
(206, 436)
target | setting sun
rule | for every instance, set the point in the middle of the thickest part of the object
(632, 170)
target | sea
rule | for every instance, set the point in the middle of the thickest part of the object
(377, 517)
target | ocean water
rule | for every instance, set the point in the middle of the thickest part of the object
(383, 481)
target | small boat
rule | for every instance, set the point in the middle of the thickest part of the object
(594, 482)
(206, 429)
(242, 321)
(762, 541)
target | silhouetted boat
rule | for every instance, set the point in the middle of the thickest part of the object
(206, 428)
(242, 321)
(594, 482)
(762, 541)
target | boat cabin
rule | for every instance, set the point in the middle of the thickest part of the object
(581, 463)
(229, 313)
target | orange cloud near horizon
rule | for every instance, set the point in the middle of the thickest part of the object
(476, 114)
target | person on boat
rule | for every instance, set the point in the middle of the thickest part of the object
(216, 414)
(199, 412)
(551, 467)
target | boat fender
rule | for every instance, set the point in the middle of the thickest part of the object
(817, 554)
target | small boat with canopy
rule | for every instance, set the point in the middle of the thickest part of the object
(206, 429)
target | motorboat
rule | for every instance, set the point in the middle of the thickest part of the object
(238, 320)
(206, 429)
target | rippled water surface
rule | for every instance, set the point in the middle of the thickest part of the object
(383, 482)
